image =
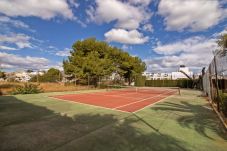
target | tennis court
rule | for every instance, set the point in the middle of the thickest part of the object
(178, 123)
(125, 99)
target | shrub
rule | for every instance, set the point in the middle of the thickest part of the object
(27, 89)
(183, 83)
(52, 75)
(140, 81)
(224, 104)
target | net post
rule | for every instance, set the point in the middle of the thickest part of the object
(107, 88)
(179, 91)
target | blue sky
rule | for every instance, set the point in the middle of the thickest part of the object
(38, 34)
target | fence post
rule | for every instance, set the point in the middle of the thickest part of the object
(37, 80)
(88, 81)
(216, 78)
(99, 82)
(59, 75)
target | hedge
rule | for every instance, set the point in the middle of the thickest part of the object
(140, 81)
(182, 83)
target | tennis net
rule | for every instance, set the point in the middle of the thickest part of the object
(147, 90)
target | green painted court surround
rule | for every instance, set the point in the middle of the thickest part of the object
(37, 122)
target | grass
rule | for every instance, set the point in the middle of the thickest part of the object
(7, 87)
(37, 122)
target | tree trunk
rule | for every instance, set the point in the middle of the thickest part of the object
(129, 81)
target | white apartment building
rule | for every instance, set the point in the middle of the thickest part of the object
(157, 76)
(170, 76)
(24, 76)
(180, 75)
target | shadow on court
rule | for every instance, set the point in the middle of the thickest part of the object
(195, 116)
(27, 127)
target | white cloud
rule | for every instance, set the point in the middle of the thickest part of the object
(140, 2)
(194, 52)
(74, 3)
(125, 37)
(194, 15)
(195, 44)
(128, 14)
(148, 27)
(172, 63)
(16, 61)
(45, 9)
(20, 40)
(125, 47)
(222, 32)
(63, 53)
(52, 47)
(12, 22)
(56, 65)
(7, 48)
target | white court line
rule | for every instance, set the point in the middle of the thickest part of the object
(137, 92)
(152, 104)
(95, 92)
(123, 93)
(126, 93)
(113, 109)
(120, 96)
(114, 96)
(100, 94)
(141, 100)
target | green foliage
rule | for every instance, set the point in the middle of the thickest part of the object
(2, 75)
(52, 75)
(140, 81)
(224, 103)
(222, 42)
(182, 83)
(27, 89)
(131, 67)
(29, 71)
(92, 59)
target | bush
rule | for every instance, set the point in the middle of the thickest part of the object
(9, 85)
(140, 81)
(182, 83)
(52, 75)
(27, 89)
(224, 104)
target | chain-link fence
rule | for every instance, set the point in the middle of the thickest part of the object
(215, 82)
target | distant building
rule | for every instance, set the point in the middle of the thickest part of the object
(170, 76)
(157, 76)
(22, 76)
(180, 75)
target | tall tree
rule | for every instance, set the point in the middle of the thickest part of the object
(132, 67)
(222, 42)
(52, 75)
(96, 58)
(89, 58)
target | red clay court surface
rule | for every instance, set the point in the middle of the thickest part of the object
(118, 100)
